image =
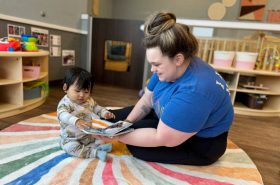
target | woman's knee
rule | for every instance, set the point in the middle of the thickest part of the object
(145, 123)
(120, 114)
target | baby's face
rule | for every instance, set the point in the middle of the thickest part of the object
(77, 95)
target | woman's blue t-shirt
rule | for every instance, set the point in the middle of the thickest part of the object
(199, 101)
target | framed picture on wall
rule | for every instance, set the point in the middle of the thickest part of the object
(55, 51)
(55, 40)
(55, 45)
(15, 30)
(42, 35)
(252, 9)
(68, 57)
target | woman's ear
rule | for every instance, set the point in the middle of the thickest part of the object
(64, 87)
(179, 59)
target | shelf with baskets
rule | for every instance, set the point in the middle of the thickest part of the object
(256, 58)
(19, 91)
(260, 100)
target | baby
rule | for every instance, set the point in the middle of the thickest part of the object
(75, 111)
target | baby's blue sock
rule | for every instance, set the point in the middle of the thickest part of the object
(105, 147)
(102, 155)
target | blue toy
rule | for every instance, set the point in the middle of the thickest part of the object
(29, 42)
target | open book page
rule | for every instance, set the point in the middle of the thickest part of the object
(106, 128)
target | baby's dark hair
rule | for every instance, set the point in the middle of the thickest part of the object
(81, 77)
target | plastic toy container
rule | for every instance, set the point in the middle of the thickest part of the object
(246, 60)
(31, 71)
(32, 93)
(223, 58)
(254, 101)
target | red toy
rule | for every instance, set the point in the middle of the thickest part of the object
(9, 44)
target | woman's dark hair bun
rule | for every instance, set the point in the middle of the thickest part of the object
(159, 22)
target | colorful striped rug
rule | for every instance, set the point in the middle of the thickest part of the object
(30, 154)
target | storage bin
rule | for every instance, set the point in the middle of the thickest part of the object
(223, 58)
(31, 93)
(254, 101)
(31, 71)
(246, 60)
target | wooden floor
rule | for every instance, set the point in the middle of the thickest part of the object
(259, 137)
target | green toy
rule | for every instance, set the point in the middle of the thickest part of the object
(29, 42)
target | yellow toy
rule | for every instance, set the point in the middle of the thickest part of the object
(29, 43)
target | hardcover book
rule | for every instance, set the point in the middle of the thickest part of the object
(107, 128)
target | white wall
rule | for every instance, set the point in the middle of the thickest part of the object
(68, 12)
(59, 12)
(191, 9)
(105, 9)
(188, 9)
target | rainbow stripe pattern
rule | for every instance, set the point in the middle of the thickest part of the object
(30, 154)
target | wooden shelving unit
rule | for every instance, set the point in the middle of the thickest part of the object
(12, 82)
(267, 78)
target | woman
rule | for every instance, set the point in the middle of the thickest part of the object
(186, 111)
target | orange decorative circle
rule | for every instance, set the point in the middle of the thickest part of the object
(229, 3)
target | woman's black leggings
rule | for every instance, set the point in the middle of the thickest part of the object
(194, 151)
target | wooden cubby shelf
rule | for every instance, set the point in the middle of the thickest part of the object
(268, 79)
(12, 82)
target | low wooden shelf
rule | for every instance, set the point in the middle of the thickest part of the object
(12, 82)
(267, 78)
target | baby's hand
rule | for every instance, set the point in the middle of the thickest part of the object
(109, 115)
(80, 124)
